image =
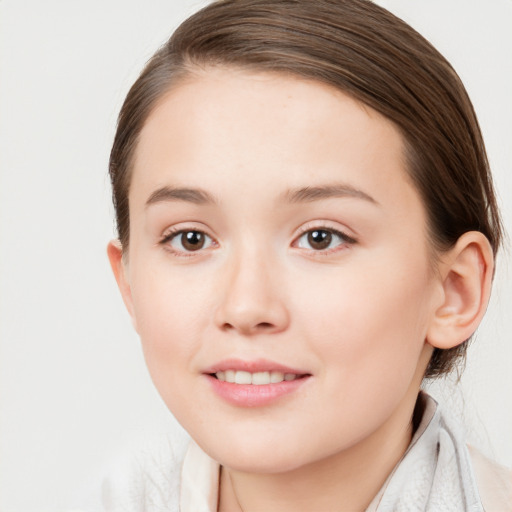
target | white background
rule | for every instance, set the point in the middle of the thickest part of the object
(73, 386)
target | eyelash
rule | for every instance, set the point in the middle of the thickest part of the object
(174, 233)
(345, 240)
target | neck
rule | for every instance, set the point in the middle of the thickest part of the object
(347, 480)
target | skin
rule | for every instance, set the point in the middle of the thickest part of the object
(360, 317)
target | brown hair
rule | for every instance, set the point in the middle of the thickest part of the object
(363, 50)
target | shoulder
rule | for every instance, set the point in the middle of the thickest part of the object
(494, 482)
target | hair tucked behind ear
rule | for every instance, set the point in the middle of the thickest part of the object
(363, 50)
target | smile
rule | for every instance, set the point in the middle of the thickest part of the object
(256, 378)
(254, 383)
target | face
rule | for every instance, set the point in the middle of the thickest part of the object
(278, 270)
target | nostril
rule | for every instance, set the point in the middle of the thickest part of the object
(264, 325)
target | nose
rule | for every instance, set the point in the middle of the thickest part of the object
(252, 300)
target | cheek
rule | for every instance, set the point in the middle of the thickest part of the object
(169, 322)
(367, 322)
(368, 335)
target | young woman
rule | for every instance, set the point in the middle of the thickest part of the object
(307, 229)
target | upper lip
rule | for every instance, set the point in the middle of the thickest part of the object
(253, 366)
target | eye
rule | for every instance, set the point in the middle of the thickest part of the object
(188, 241)
(323, 239)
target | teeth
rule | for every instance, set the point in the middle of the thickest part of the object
(230, 375)
(257, 378)
(276, 377)
(243, 378)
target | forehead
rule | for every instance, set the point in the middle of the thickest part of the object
(230, 130)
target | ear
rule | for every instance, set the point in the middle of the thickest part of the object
(120, 269)
(466, 273)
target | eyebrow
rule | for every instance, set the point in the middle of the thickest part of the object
(309, 194)
(190, 195)
(297, 195)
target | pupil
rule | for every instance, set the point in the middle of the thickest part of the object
(319, 239)
(192, 240)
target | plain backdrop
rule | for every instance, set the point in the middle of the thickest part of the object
(73, 386)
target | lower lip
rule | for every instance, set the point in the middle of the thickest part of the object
(250, 395)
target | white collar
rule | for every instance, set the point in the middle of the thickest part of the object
(199, 481)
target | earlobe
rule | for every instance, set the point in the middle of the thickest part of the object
(119, 268)
(466, 272)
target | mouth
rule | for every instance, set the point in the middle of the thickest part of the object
(256, 378)
(254, 383)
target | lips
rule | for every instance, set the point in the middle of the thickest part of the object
(254, 383)
(253, 366)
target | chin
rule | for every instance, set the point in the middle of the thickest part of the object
(268, 456)
(263, 463)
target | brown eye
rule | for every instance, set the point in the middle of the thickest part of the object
(188, 241)
(192, 240)
(325, 239)
(319, 239)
